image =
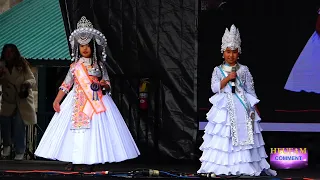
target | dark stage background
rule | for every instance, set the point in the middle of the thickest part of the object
(168, 42)
(156, 40)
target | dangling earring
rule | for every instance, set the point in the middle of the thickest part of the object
(94, 52)
(77, 54)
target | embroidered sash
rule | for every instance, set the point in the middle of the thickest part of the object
(85, 106)
(238, 129)
(239, 96)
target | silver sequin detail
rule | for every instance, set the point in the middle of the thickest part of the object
(232, 118)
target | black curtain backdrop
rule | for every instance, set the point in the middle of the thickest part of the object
(158, 39)
(153, 39)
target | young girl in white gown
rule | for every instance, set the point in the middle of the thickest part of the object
(307, 66)
(233, 143)
(87, 128)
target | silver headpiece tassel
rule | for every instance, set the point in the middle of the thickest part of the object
(231, 39)
(83, 35)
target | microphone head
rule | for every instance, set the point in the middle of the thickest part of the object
(233, 69)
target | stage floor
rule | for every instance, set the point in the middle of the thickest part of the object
(36, 169)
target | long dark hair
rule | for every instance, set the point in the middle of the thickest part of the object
(93, 44)
(18, 61)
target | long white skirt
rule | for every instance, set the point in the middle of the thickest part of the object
(107, 140)
(219, 155)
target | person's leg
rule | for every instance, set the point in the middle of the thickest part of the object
(19, 136)
(6, 134)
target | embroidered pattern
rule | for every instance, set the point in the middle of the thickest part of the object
(248, 81)
(65, 87)
(84, 106)
(249, 124)
(79, 119)
(216, 78)
(233, 117)
(68, 81)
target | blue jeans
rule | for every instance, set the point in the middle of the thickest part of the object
(13, 128)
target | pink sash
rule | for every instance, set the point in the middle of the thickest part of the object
(85, 106)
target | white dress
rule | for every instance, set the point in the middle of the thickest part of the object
(307, 67)
(107, 140)
(231, 146)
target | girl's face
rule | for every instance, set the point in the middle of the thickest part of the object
(231, 56)
(85, 51)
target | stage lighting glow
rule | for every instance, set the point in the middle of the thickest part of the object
(289, 158)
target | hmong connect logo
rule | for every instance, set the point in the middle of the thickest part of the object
(289, 158)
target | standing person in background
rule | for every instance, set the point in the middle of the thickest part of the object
(17, 104)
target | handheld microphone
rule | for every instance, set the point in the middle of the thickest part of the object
(233, 81)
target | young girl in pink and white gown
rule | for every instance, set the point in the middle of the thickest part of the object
(87, 128)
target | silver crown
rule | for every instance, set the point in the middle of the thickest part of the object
(231, 39)
(84, 23)
(84, 33)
